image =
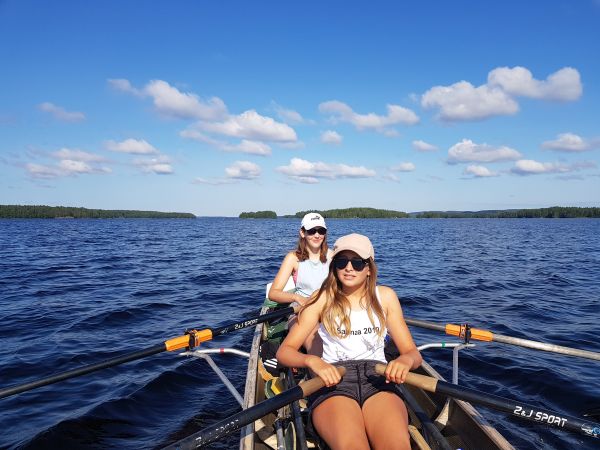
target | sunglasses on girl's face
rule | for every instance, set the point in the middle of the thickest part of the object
(322, 231)
(358, 264)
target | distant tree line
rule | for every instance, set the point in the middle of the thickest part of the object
(554, 212)
(357, 213)
(259, 215)
(59, 212)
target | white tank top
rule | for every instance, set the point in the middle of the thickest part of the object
(310, 276)
(362, 343)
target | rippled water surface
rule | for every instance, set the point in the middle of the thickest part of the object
(75, 292)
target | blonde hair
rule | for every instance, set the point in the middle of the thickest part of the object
(335, 314)
(302, 252)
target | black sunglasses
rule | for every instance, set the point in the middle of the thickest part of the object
(322, 231)
(358, 264)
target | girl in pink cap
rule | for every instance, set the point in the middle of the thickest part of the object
(353, 316)
(308, 266)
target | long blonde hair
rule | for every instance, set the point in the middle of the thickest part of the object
(302, 252)
(335, 315)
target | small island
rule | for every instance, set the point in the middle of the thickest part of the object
(258, 215)
(67, 212)
(357, 213)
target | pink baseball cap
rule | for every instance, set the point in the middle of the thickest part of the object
(359, 244)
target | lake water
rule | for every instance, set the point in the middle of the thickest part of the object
(74, 292)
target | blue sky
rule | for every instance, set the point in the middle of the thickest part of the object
(216, 108)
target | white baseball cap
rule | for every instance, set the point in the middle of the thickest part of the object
(312, 220)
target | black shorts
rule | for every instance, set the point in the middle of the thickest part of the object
(360, 383)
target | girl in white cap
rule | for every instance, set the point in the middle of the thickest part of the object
(354, 315)
(308, 266)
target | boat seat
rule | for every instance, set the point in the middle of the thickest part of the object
(290, 286)
(273, 387)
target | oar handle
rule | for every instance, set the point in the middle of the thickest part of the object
(314, 384)
(424, 382)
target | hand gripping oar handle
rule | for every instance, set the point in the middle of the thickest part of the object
(485, 335)
(517, 409)
(229, 425)
(191, 339)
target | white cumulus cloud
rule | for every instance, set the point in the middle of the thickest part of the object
(251, 147)
(160, 165)
(212, 182)
(341, 112)
(243, 170)
(170, 101)
(422, 146)
(73, 167)
(251, 125)
(245, 146)
(132, 146)
(60, 113)
(77, 155)
(71, 163)
(43, 171)
(569, 142)
(331, 137)
(467, 151)
(462, 101)
(211, 116)
(479, 171)
(310, 172)
(532, 167)
(123, 85)
(564, 84)
(290, 115)
(403, 167)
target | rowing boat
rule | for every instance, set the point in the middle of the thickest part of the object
(435, 421)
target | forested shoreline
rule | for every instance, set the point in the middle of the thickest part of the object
(554, 212)
(67, 212)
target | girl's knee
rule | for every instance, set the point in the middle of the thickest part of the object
(349, 441)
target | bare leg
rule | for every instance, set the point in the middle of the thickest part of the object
(386, 421)
(339, 421)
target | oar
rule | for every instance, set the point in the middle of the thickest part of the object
(227, 426)
(485, 335)
(517, 409)
(191, 339)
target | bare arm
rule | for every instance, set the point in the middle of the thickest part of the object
(289, 354)
(276, 293)
(410, 357)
